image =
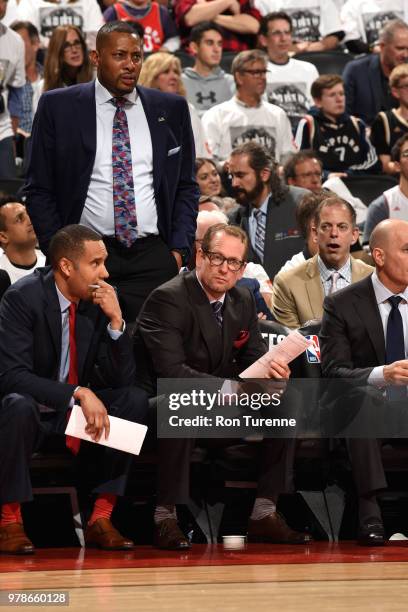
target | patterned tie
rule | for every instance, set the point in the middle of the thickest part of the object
(217, 307)
(395, 344)
(72, 443)
(334, 278)
(123, 192)
(259, 246)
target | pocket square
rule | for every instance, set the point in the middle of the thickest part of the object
(242, 338)
(173, 151)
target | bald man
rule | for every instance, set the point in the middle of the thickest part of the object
(364, 336)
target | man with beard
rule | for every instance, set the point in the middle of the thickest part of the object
(268, 207)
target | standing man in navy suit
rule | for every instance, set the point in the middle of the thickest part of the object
(120, 160)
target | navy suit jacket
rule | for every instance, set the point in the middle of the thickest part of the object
(364, 93)
(30, 347)
(62, 156)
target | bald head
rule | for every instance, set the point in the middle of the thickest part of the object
(389, 248)
(385, 230)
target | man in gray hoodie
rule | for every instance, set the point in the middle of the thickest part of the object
(206, 83)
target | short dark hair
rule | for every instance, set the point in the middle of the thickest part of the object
(396, 149)
(136, 27)
(306, 210)
(325, 81)
(28, 26)
(273, 16)
(198, 31)
(229, 230)
(8, 199)
(334, 200)
(289, 169)
(111, 27)
(69, 242)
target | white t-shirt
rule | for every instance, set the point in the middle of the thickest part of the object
(364, 19)
(288, 86)
(201, 148)
(295, 261)
(12, 72)
(232, 123)
(17, 272)
(312, 19)
(11, 13)
(397, 203)
(253, 270)
(46, 16)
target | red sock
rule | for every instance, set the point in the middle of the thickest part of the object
(10, 513)
(103, 507)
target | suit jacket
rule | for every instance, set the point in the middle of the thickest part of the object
(298, 293)
(364, 92)
(282, 238)
(62, 156)
(352, 336)
(30, 347)
(179, 331)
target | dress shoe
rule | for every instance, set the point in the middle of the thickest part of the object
(102, 534)
(13, 540)
(371, 534)
(273, 528)
(169, 536)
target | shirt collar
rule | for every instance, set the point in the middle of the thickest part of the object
(238, 101)
(63, 302)
(382, 293)
(263, 207)
(103, 96)
(220, 299)
(325, 272)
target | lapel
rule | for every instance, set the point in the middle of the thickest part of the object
(374, 77)
(84, 331)
(52, 313)
(366, 309)
(209, 329)
(156, 116)
(314, 287)
(269, 229)
(86, 116)
(230, 326)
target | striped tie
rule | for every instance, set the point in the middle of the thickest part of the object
(217, 307)
(259, 246)
(123, 191)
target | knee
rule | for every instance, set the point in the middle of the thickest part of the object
(136, 403)
(20, 408)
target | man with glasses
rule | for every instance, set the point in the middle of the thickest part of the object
(304, 169)
(247, 116)
(298, 293)
(190, 327)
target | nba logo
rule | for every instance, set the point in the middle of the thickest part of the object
(313, 352)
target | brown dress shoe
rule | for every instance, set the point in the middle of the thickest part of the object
(273, 528)
(13, 540)
(168, 536)
(102, 534)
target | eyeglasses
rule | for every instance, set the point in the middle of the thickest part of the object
(216, 259)
(309, 174)
(74, 45)
(405, 86)
(404, 154)
(280, 33)
(256, 73)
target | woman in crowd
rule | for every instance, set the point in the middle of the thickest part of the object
(163, 71)
(67, 61)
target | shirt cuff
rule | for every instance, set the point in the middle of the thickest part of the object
(72, 400)
(376, 378)
(116, 333)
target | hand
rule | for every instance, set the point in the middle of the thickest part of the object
(337, 174)
(261, 316)
(107, 299)
(279, 369)
(234, 7)
(396, 373)
(94, 412)
(302, 46)
(178, 259)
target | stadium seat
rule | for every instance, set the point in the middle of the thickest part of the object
(369, 187)
(326, 62)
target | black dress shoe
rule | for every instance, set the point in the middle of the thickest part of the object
(274, 529)
(371, 534)
(168, 536)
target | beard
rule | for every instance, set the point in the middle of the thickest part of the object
(243, 196)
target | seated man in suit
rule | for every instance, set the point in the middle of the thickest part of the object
(188, 326)
(298, 293)
(364, 337)
(55, 326)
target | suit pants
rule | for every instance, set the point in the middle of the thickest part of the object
(173, 470)
(137, 270)
(22, 430)
(366, 465)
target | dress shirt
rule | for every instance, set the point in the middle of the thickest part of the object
(382, 294)
(252, 223)
(344, 279)
(98, 210)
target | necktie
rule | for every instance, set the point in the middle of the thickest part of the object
(334, 278)
(394, 343)
(260, 232)
(123, 190)
(217, 307)
(72, 443)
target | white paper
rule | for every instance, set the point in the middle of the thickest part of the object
(293, 345)
(124, 435)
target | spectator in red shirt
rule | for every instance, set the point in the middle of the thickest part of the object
(238, 20)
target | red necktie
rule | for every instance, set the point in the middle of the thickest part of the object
(72, 443)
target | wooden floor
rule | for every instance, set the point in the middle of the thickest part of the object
(318, 578)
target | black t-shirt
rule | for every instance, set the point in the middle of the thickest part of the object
(386, 130)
